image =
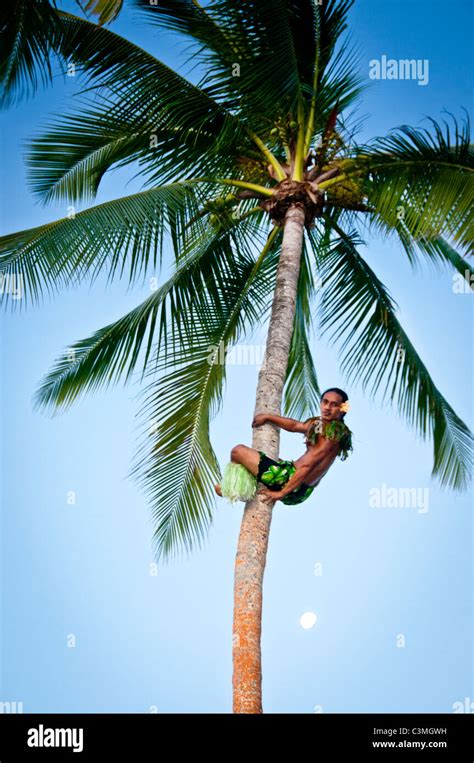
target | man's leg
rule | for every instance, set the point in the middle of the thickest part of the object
(248, 457)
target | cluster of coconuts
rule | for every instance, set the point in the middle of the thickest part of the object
(276, 132)
(220, 208)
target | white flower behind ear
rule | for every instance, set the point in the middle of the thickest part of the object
(344, 407)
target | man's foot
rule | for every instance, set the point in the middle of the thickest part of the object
(218, 490)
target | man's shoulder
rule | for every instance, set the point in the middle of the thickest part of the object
(334, 437)
(340, 435)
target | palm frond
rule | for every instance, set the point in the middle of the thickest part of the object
(123, 234)
(375, 350)
(29, 31)
(306, 22)
(334, 70)
(142, 110)
(436, 251)
(253, 36)
(70, 159)
(164, 318)
(139, 80)
(331, 22)
(176, 464)
(421, 183)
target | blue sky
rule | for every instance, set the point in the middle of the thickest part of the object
(86, 624)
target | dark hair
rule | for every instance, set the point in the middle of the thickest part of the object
(339, 392)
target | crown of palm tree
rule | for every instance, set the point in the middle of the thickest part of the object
(265, 127)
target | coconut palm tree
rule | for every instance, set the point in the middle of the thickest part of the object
(254, 178)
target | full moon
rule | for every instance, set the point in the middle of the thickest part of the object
(307, 620)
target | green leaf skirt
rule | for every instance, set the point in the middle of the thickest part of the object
(238, 484)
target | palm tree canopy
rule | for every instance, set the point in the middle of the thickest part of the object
(267, 125)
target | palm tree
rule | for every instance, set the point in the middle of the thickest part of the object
(254, 177)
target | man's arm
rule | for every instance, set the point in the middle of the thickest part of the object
(294, 482)
(327, 453)
(291, 425)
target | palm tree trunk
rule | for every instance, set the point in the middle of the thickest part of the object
(253, 539)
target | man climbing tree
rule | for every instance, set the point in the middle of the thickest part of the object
(292, 482)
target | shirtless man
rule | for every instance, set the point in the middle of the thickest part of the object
(326, 437)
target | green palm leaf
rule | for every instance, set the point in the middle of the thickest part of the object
(251, 35)
(357, 307)
(421, 183)
(439, 251)
(178, 467)
(28, 35)
(279, 46)
(122, 234)
(109, 61)
(115, 350)
(70, 159)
